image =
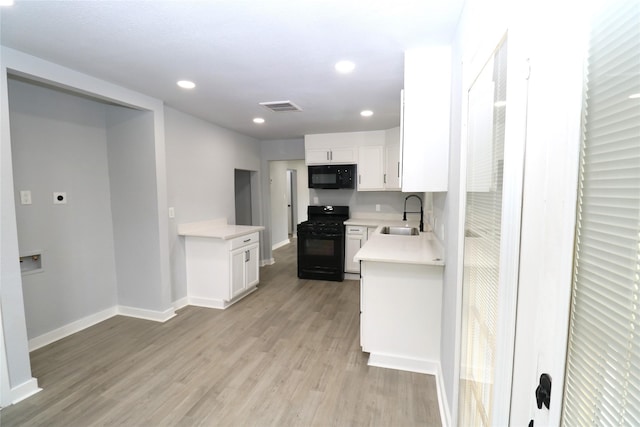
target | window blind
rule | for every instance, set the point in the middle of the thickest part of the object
(602, 384)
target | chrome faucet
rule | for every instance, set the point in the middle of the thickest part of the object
(404, 216)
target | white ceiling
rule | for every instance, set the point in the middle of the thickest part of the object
(242, 52)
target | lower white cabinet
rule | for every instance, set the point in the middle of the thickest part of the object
(244, 269)
(400, 308)
(220, 272)
(356, 236)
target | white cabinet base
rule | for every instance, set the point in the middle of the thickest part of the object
(400, 315)
(218, 303)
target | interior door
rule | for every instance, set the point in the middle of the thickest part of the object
(496, 113)
(549, 211)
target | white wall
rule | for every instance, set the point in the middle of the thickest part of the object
(59, 143)
(201, 162)
(364, 202)
(15, 350)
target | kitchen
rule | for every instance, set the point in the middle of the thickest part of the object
(182, 163)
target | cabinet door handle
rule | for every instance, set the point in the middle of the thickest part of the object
(359, 179)
(247, 256)
(328, 154)
(331, 155)
(248, 240)
(384, 179)
(398, 169)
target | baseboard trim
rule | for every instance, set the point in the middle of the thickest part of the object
(181, 303)
(281, 244)
(351, 276)
(22, 391)
(217, 303)
(269, 261)
(402, 363)
(71, 328)
(206, 302)
(141, 313)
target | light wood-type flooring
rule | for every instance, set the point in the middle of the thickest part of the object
(287, 355)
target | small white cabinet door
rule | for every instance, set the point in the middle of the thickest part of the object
(343, 155)
(252, 266)
(317, 157)
(392, 167)
(237, 272)
(353, 244)
(370, 168)
(244, 269)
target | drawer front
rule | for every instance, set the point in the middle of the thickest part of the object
(356, 230)
(245, 240)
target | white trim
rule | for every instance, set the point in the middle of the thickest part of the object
(281, 244)
(24, 390)
(422, 366)
(403, 363)
(71, 328)
(218, 303)
(269, 261)
(443, 402)
(207, 302)
(141, 313)
(181, 303)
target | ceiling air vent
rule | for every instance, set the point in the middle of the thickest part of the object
(281, 106)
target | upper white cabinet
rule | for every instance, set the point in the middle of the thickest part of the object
(392, 160)
(425, 119)
(379, 161)
(332, 148)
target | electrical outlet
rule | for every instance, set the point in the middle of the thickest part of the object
(59, 198)
(315, 200)
(377, 208)
(172, 212)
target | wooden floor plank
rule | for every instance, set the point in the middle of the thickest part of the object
(286, 355)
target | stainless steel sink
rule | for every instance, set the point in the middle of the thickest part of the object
(400, 231)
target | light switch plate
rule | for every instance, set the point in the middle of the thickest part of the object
(59, 198)
(172, 212)
(25, 197)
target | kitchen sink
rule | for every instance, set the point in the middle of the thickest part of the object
(400, 231)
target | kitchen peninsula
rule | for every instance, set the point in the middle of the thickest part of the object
(401, 300)
(222, 261)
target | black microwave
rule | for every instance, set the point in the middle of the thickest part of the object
(332, 176)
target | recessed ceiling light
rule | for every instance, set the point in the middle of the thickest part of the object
(500, 103)
(6, 2)
(258, 120)
(366, 113)
(634, 96)
(345, 67)
(186, 84)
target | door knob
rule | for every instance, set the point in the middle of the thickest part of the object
(543, 392)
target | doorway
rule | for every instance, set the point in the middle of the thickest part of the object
(242, 186)
(292, 201)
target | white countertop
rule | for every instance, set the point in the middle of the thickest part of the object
(217, 229)
(422, 249)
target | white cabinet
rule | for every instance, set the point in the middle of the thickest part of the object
(356, 236)
(220, 272)
(392, 160)
(379, 164)
(425, 119)
(400, 309)
(371, 168)
(244, 269)
(332, 148)
(335, 155)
